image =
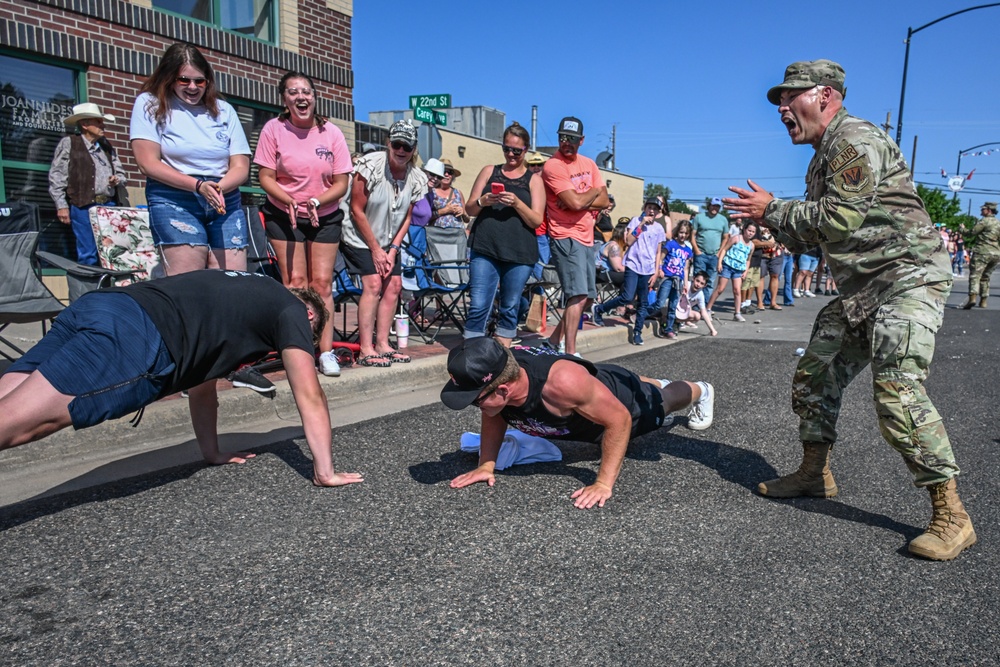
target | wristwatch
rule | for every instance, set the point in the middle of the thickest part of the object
(315, 202)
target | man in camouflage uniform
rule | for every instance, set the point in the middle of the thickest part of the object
(985, 256)
(893, 273)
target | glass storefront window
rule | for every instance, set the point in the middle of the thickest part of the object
(34, 99)
(253, 119)
(254, 18)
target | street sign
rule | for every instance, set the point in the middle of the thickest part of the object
(432, 116)
(442, 101)
(956, 183)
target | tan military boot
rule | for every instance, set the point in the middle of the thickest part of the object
(982, 302)
(950, 530)
(813, 478)
(970, 302)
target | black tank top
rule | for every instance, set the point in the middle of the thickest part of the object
(499, 232)
(642, 399)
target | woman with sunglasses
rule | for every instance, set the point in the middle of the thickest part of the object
(304, 169)
(508, 205)
(449, 203)
(386, 186)
(190, 145)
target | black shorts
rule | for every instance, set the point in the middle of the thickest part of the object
(280, 228)
(359, 260)
(643, 400)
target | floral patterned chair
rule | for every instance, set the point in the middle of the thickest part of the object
(124, 242)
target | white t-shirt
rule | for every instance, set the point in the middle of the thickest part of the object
(191, 141)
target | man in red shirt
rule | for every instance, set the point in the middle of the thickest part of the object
(574, 194)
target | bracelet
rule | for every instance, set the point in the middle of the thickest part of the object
(198, 183)
(479, 201)
(315, 202)
(393, 246)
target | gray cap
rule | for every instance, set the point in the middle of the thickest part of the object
(403, 130)
(807, 74)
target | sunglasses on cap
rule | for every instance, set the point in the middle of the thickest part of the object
(199, 81)
(569, 139)
(400, 146)
(516, 152)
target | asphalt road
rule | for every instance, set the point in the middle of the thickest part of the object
(250, 565)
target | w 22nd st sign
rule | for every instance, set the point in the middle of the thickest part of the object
(442, 101)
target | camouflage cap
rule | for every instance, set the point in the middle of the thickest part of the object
(992, 205)
(807, 74)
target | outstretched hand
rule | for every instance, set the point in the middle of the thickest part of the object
(474, 477)
(595, 494)
(750, 204)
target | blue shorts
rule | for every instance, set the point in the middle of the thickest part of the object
(808, 263)
(105, 351)
(178, 217)
(729, 272)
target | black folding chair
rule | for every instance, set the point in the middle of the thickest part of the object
(23, 296)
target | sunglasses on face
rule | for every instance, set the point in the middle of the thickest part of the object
(432, 177)
(516, 152)
(400, 146)
(199, 81)
(480, 399)
(567, 139)
(305, 92)
(449, 172)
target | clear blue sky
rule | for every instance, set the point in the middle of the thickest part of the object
(685, 83)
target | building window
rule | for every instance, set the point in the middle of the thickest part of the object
(34, 99)
(253, 18)
(252, 118)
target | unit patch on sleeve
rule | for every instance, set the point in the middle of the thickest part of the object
(842, 158)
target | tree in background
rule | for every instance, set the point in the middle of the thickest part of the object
(942, 208)
(679, 206)
(656, 190)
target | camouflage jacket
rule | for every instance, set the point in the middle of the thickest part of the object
(862, 208)
(987, 235)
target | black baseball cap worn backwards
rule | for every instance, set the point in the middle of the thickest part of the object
(473, 365)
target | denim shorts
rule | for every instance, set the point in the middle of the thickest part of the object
(576, 266)
(106, 352)
(729, 272)
(178, 217)
(808, 263)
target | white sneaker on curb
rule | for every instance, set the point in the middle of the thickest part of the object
(702, 412)
(797, 292)
(328, 365)
(809, 294)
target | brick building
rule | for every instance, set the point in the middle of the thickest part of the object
(57, 53)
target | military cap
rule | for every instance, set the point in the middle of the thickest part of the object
(807, 74)
(992, 205)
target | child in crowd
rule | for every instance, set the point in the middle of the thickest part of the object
(672, 266)
(643, 237)
(691, 306)
(734, 261)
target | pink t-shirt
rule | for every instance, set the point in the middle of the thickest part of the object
(579, 175)
(304, 161)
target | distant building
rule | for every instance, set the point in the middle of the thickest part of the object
(482, 122)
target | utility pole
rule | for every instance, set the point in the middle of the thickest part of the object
(613, 158)
(913, 159)
(534, 126)
(887, 125)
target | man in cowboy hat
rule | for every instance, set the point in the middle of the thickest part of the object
(85, 172)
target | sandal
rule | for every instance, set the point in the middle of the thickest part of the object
(374, 361)
(775, 307)
(396, 357)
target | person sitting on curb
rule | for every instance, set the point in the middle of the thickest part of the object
(116, 350)
(691, 306)
(562, 397)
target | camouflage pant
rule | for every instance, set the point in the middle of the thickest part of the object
(898, 341)
(980, 269)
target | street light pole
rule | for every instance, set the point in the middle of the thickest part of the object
(910, 32)
(958, 169)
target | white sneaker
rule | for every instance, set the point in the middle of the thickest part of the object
(739, 318)
(745, 304)
(328, 365)
(700, 416)
(797, 292)
(808, 294)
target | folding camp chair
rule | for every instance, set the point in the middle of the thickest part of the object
(345, 291)
(260, 255)
(23, 296)
(550, 286)
(436, 270)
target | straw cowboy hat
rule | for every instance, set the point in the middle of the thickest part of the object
(85, 111)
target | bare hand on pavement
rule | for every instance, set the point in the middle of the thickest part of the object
(595, 494)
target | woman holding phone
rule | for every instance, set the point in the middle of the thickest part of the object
(507, 202)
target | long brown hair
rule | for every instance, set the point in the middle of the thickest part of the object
(161, 81)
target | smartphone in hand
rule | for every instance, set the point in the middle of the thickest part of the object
(496, 188)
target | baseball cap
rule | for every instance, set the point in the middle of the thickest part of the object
(806, 74)
(571, 126)
(473, 365)
(403, 130)
(716, 201)
(654, 201)
(369, 148)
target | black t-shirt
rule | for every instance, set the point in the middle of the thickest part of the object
(212, 322)
(498, 231)
(642, 399)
